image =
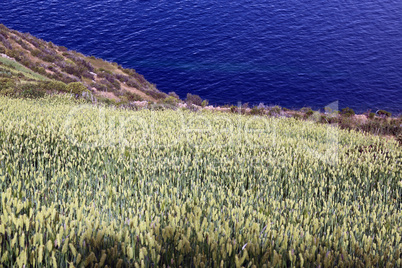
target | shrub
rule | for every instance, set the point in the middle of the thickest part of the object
(132, 83)
(55, 86)
(99, 87)
(102, 71)
(347, 112)
(257, 111)
(156, 95)
(6, 43)
(204, 103)
(129, 71)
(371, 115)
(132, 96)
(170, 100)
(61, 48)
(2, 50)
(16, 54)
(193, 99)
(122, 78)
(174, 95)
(73, 70)
(36, 52)
(116, 84)
(48, 58)
(307, 111)
(3, 27)
(276, 110)
(39, 70)
(31, 90)
(384, 113)
(7, 83)
(76, 88)
(399, 138)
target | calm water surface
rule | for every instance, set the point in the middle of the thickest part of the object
(283, 52)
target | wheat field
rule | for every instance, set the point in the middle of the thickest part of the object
(92, 186)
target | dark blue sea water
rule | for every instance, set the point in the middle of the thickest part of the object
(292, 53)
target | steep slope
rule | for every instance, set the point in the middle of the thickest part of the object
(25, 58)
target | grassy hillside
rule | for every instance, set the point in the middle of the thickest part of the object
(90, 186)
(27, 59)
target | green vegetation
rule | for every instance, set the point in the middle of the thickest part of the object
(85, 185)
(348, 112)
(15, 68)
(384, 113)
(194, 99)
(76, 88)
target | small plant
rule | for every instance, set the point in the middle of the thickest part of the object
(36, 52)
(307, 111)
(257, 111)
(276, 110)
(63, 49)
(384, 113)
(204, 103)
(170, 100)
(76, 88)
(55, 86)
(31, 90)
(174, 95)
(371, 115)
(399, 138)
(347, 112)
(193, 99)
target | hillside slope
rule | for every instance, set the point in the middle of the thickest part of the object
(25, 58)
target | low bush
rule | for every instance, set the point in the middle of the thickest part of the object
(156, 94)
(205, 103)
(384, 113)
(55, 86)
(99, 87)
(132, 96)
(76, 88)
(347, 112)
(193, 99)
(132, 83)
(129, 71)
(122, 78)
(36, 52)
(4, 40)
(257, 111)
(170, 100)
(399, 138)
(174, 95)
(49, 58)
(31, 90)
(62, 49)
(276, 110)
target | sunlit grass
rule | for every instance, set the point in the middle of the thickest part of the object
(86, 185)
